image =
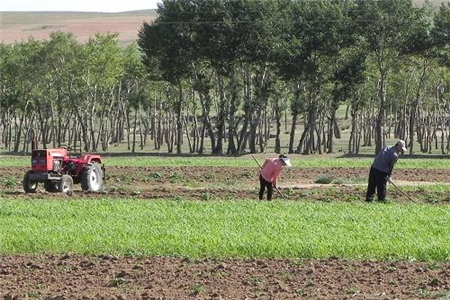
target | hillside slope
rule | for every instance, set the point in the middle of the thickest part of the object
(18, 26)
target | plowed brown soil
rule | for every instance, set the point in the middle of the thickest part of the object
(72, 276)
(105, 277)
(81, 26)
(228, 183)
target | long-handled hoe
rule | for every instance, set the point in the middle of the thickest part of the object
(401, 191)
(281, 194)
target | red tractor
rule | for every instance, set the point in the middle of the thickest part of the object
(59, 172)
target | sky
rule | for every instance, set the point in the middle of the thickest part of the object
(77, 5)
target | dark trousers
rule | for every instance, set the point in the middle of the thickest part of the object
(378, 180)
(263, 184)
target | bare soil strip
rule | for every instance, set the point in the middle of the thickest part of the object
(106, 277)
(228, 183)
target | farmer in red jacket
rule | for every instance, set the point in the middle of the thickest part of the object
(269, 174)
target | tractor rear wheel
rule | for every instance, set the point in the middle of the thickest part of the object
(29, 186)
(66, 184)
(50, 187)
(91, 178)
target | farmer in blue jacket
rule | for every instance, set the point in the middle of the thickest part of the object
(381, 170)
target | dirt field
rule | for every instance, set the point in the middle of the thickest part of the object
(209, 183)
(106, 277)
(72, 276)
(83, 26)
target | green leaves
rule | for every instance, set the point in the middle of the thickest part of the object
(226, 229)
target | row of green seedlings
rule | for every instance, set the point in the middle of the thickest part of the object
(433, 194)
(173, 177)
(328, 179)
(9, 181)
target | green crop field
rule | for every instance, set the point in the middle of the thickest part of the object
(325, 161)
(226, 229)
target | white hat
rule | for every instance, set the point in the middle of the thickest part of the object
(287, 161)
(402, 144)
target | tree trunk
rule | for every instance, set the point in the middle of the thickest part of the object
(178, 112)
(379, 125)
(231, 124)
(221, 115)
(292, 133)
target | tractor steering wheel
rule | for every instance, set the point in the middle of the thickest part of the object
(68, 148)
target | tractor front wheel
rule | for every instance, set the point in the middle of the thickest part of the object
(91, 178)
(29, 186)
(66, 184)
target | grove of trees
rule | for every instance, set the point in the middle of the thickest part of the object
(225, 75)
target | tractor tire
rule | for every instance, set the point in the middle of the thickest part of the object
(29, 186)
(51, 187)
(92, 178)
(66, 184)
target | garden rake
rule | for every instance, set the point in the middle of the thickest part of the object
(401, 191)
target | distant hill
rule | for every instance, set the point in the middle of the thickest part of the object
(18, 26)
